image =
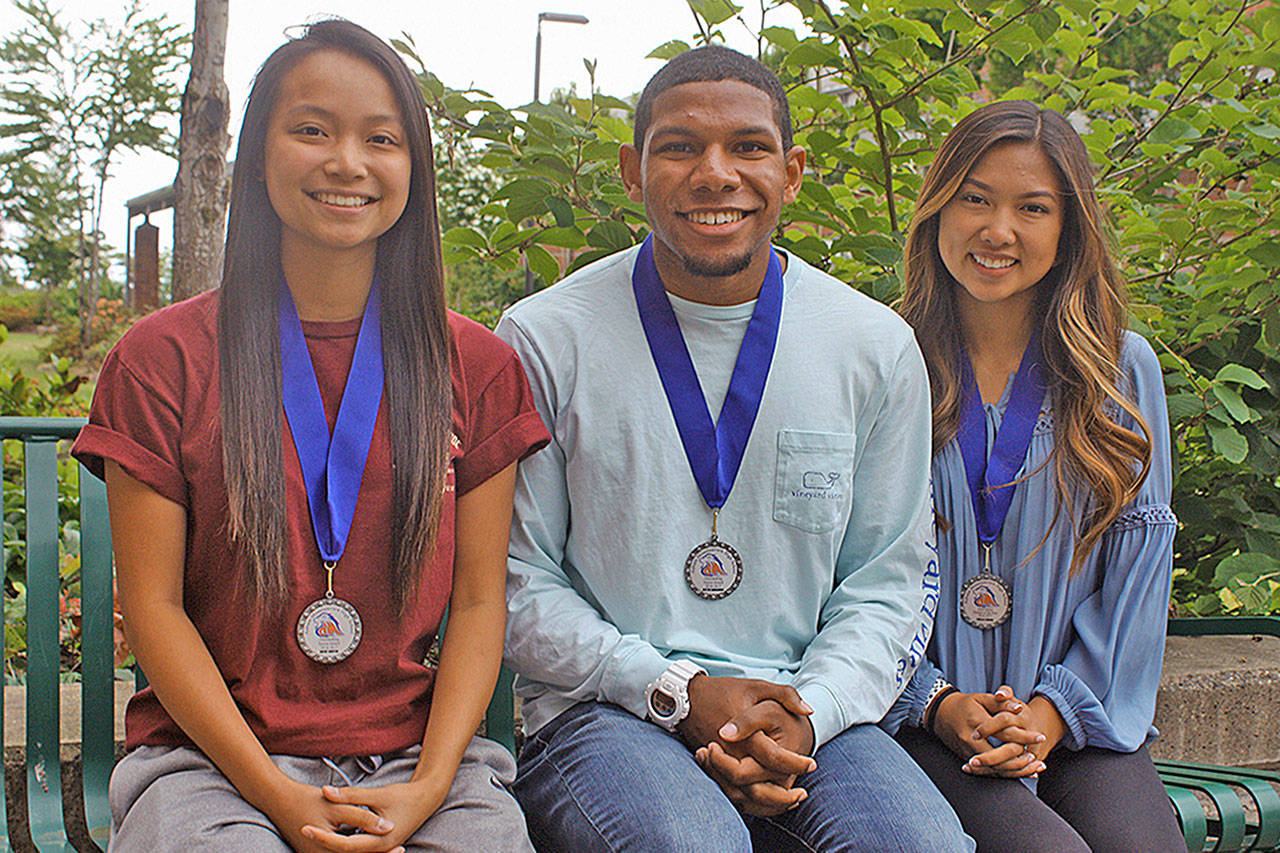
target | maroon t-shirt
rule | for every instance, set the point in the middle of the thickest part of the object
(156, 414)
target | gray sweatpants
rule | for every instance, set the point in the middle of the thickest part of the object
(173, 799)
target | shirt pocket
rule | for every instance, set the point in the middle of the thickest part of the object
(815, 479)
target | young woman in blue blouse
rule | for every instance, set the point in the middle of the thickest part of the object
(1051, 475)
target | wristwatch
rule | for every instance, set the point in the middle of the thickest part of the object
(667, 696)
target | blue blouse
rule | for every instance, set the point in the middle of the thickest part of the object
(1093, 644)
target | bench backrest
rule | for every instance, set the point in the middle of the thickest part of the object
(40, 438)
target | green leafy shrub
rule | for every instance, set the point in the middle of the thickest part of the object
(108, 324)
(1179, 105)
(56, 393)
(20, 309)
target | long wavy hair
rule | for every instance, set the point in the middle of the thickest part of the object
(415, 330)
(1081, 304)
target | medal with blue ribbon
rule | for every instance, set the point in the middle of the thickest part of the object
(329, 628)
(713, 569)
(986, 600)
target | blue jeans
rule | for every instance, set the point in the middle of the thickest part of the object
(597, 778)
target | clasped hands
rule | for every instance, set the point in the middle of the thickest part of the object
(753, 738)
(1027, 731)
(321, 819)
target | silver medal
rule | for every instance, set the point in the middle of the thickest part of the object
(713, 569)
(985, 601)
(329, 629)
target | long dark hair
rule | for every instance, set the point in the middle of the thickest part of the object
(1081, 303)
(415, 331)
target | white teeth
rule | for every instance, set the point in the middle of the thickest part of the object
(342, 200)
(719, 217)
(992, 263)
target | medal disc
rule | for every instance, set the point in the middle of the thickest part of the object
(985, 601)
(713, 569)
(329, 630)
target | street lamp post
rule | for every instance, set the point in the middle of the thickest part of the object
(556, 18)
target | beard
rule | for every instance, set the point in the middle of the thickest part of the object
(717, 268)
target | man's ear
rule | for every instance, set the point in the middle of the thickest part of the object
(629, 163)
(794, 165)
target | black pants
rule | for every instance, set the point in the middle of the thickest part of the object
(1094, 799)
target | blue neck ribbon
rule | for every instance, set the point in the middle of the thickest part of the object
(991, 480)
(714, 450)
(332, 465)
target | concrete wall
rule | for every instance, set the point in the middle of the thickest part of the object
(1219, 701)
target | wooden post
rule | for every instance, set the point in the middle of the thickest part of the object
(146, 268)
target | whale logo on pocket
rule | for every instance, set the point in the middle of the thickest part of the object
(819, 480)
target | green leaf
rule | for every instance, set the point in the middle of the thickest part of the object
(465, 237)
(1244, 567)
(1183, 406)
(1180, 52)
(523, 188)
(1172, 130)
(668, 50)
(568, 238)
(1267, 254)
(1230, 444)
(1240, 373)
(610, 235)
(812, 53)
(1233, 403)
(780, 36)
(543, 264)
(1266, 131)
(561, 210)
(1045, 21)
(1205, 605)
(1271, 327)
(714, 11)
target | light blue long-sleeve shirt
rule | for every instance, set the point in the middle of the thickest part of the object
(830, 509)
(1093, 644)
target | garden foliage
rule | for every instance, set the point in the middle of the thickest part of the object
(51, 393)
(1179, 105)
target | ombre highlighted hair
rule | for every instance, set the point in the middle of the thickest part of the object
(1081, 304)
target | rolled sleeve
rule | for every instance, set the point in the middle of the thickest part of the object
(135, 423)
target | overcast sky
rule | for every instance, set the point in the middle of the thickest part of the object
(488, 44)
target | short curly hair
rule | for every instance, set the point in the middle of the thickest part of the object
(711, 64)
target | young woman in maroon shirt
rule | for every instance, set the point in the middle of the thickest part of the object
(305, 467)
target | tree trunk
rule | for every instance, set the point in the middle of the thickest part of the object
(200, 206)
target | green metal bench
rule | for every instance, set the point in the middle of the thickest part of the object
(44, 805)
(1244, 804)
(40, 437)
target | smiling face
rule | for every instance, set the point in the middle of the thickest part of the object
(998, 235)
(713, 178)
(336, 162)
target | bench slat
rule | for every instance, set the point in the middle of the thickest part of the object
(1230, 825)
(97, 645)
(499, 718)
(1191, 816)
(44, 766)
(1259, 785)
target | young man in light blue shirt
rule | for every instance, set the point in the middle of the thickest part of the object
(707, 617)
